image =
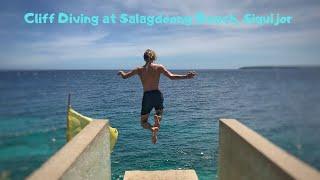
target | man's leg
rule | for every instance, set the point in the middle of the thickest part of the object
(144, 122)
(158, 117)
(146, 125)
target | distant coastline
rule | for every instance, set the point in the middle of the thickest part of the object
(280, 67)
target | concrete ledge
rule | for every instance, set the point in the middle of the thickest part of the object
(161, 175)
(86, 156)
(244, 154)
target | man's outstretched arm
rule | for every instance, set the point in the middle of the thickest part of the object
(172, 76)
(128, 74)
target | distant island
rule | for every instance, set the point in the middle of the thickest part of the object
(280, 67)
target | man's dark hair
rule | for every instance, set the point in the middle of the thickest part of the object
(149, 55)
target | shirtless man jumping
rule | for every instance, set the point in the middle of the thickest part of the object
(152, 97)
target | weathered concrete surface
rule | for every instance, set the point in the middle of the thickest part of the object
(161, 175)
(245, 155)
(86, 156)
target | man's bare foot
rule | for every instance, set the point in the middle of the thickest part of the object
(157, 121)
(154, 134)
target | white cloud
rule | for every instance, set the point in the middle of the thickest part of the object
(77, 47)
(179, 41)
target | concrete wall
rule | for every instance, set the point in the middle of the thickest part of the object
(161, 175)
(244, 154)
(86, 156)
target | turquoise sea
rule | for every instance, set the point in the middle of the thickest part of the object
(281, 104)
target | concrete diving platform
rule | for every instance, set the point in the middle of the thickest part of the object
(161, 175)
(243, 155)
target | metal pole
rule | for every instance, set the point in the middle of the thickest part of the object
(68, 108)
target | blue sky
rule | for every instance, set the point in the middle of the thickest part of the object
(54, 46)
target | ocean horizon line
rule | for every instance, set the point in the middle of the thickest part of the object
(178, 69)
(126, 69)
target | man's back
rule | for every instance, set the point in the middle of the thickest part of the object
(150, 76)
